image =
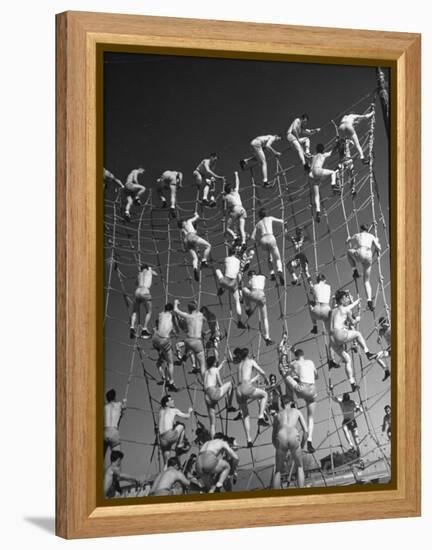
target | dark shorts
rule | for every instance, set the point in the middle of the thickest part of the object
(350, 424)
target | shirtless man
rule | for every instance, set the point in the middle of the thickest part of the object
(387, 421)
(268, 242)
(236, 213)
(349, 423)
(164, 483)
(142, 296)
(162, 343)
(347, 130)
(214, 390)
(254, 296)
(286, 439)
(113, 412)
(302, 382)
(194, 328)
(204, 174)
(300, 259)
(194, 243)
(320, 308)
(230, 281)
(134, 190)
(214, 333)
(172, 437)
(247, 391)
(318, 174)
(109, 177)
(384, 338)
(113, 476)
(298, 137)
(362, 247)
(211, 466)
(258, 145)
(170, 180)
(340, 335)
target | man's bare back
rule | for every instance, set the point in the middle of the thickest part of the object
(166, 419)
(165, 324)
(194, 323)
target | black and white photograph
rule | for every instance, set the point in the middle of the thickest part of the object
(247, 281)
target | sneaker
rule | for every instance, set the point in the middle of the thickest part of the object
(370, 305)
(240, 324)
(127, 216)
(204, 263)
(318, 217)
(354, 386)
(249, 444)
(137, 201)
(314, 330)
(281, 279)
(266, 184)
(386, 375)
(295, 282)
(172, 387)
(242, 164)
(333, 365)
(220, 291)
(160, 382)
(212, 204)
(195, 370)
(371, 355)
(145, 333)
(164, 204)
(310, 447)
(205, 202)
(132, 333)
(263, 422)
(268, 341)
(272, 276)
(196, 275)
(173, 213)
(248, 312)
(356, 274)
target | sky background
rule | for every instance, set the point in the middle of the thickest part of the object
(165, 112)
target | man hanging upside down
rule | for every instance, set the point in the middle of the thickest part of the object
(258, 145)
(134, 190)
(205, 178)
(214, 390)
(340, 335)
(172, 436)
(318, 174)
(247, 391)
(169, 181)
(286, 439)
(236, 213)
(193, 242)
(230, 281)
(300, 259)
(193, 341)
(142, 297)
(254, 296)
(267, 242)
(347, 130)
(211, 466)
(298, 137)
(362, 247)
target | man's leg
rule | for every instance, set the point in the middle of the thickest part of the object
(242, 222)
(173, 194)
(140, 190)
(352, 257)
(305, 142)
(236, 297)
(212, 418)
(202, 243)
(348, 367)
(356, 438)
(298, 460)
(129, 203)
(194, 258)
(228, 228)
(299, 149)
(134, 317)
(366, 280)
(246, 420)
(160, 194)
(222, 470)
(200, 357)
(263, 309)
(316, 198)
(275, 254)
(170, 363)
(310, 407)
(347, 435)
(260, 156)
(279, 468)
(356, 141)
(148, 308)
(206, 190)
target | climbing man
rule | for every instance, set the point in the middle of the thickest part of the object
(254, 296)
(162, 344)
(142, 297)
(214, 333)
(349, 424)
(193, 242)
(318, 174)
(212, 468)
(340, 335)
(169, 181)
(362, 247)
(113, 476)
(387, 421)
(300, 260)
(172, 435)
(214, 390)
(267, 242)
(194, 329)
(301, 380)
(298, 137)
(247, 391)
(230, 281)
(166, 482)
(347, 130)
(113, 412)
(286, 439)
(134, 190)
(205, 178)
(258, 145)
(236, 213)
(319, 307)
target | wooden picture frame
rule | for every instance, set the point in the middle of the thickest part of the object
(79, 35)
